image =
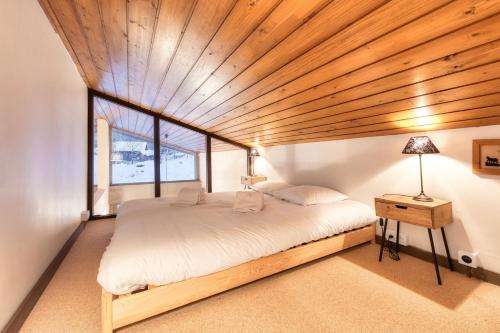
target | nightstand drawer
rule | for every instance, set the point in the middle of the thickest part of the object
(404, 213)
(250, 180)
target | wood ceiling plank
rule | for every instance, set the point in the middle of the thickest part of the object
(241, 21)
(148, 126)
(114, 119)
(127, 117)
(379, 115)
(113, 111)
(177, 134)
(140, 122)
(182, 141)
(142, 17)
(173, 130)
(120, 113)
(89, 18)
(66, 14)
(187, 139)
(349, 40)
(316, 30)
(460, 62)
(219, 146)
(114, 25)
(207, 17)
(47, 9)
(172, 20)
(177, 131)
(430, 122)
(134, 119)
(488, 121)
(444, 47)
(99, 113)
(198, 146)
(189, 150)
(223, 147)
(286, 18)
(320, 28)
(368, 95)
(166, 128)
(150, 132)
(389, 44)
(437, 23)
(450, 95)
(283, 71)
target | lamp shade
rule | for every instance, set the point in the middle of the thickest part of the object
(254, 152)
(420, 145)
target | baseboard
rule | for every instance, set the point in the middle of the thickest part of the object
(479, 273)
(16, 321)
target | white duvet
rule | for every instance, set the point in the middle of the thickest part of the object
(155, 243)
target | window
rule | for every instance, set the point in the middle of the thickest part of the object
(132, 159)
(176, 165)
(124, 156)
(179, 152)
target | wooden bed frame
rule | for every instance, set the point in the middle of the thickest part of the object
(119, 311)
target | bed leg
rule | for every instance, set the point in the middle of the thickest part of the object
(107, 312)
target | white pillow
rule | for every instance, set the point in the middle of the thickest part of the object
(306, 195)
(269, 187)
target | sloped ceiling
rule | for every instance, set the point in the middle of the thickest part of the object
(136, 123)
(271, 72)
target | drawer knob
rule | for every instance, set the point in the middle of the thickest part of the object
(401, 207)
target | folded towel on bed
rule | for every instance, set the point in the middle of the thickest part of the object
(248, 202)
(190, 197)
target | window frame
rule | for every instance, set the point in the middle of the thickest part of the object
(194, 154)
(92, 94)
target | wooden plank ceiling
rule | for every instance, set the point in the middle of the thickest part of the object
(141, 125)
(272, 72)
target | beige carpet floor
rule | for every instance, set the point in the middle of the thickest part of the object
(347, 292)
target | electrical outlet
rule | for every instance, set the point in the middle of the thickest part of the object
(84, 216)
(391, 235)
(467, 258)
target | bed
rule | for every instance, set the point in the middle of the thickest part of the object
(162, 257)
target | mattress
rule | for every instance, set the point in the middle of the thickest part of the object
(155, 243)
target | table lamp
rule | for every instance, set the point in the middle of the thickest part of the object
(420, 145)
(251, 156)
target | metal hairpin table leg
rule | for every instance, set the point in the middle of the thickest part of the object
(397, 238)
(434, 256)
(450, 263)
(382, 242)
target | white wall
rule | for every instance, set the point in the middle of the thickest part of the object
(227, 169)
(42, 149)
(367, 167)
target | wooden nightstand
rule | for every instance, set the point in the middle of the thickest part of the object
(431, 215)
(250, 180)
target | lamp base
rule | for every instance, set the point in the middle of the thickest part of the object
(423, 197)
